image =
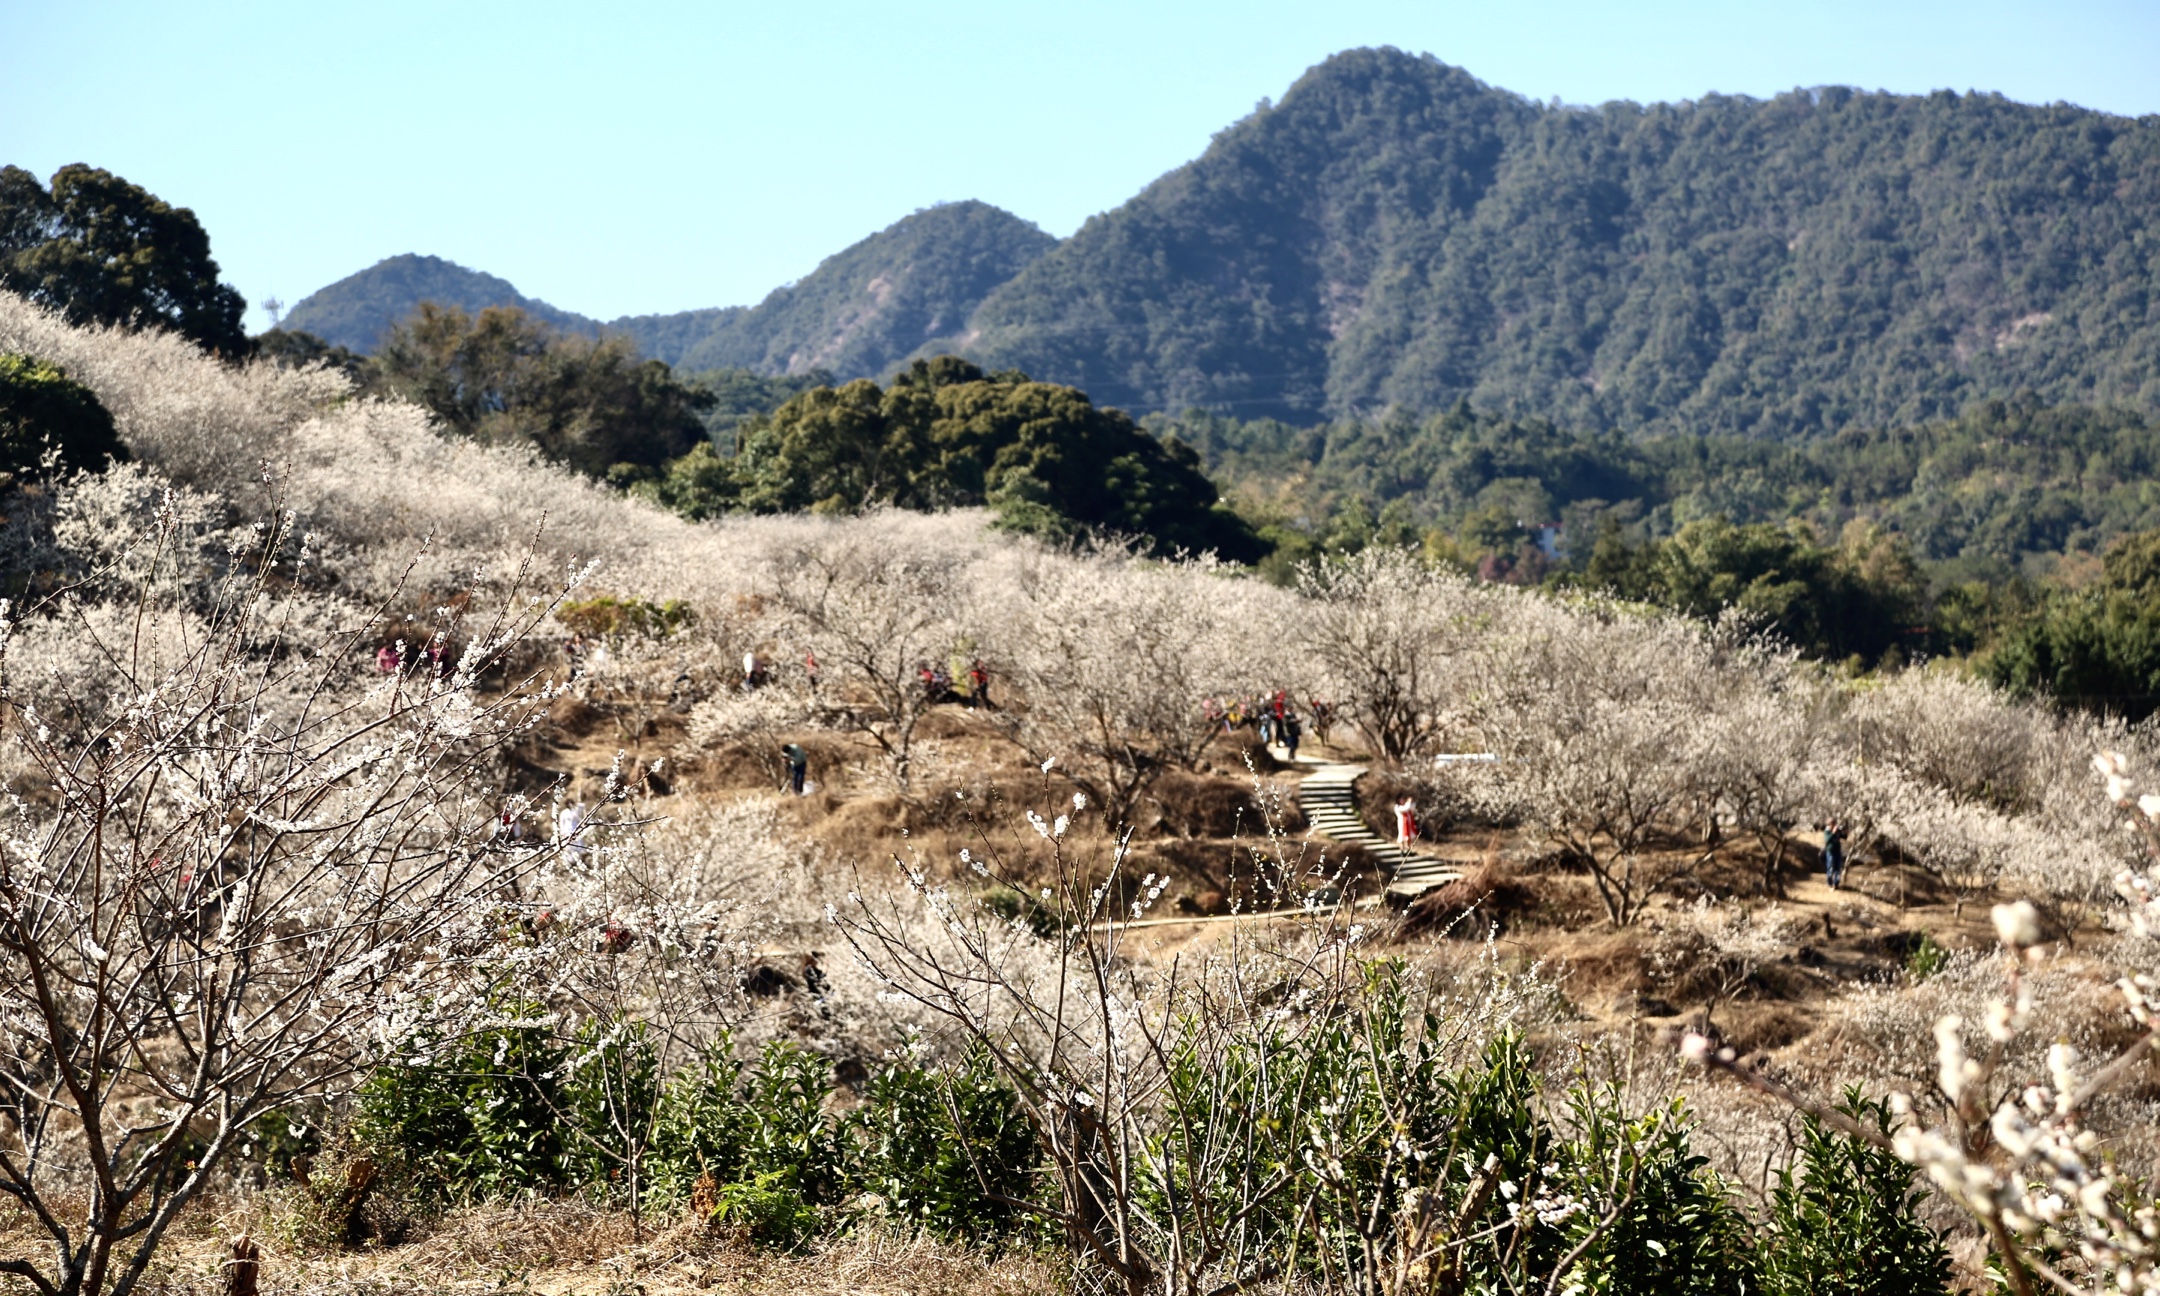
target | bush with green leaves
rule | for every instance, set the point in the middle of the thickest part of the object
(770, 1210)
(49, 422)
(947, 1149)
(609, 1096)
(699, 1127)
(1379, 1149)
(789, 1131)
(517, 1108)
(472, 1117)
(1650, 1215)
(1844, 1217)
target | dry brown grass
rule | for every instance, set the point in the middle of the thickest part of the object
(573, 1248)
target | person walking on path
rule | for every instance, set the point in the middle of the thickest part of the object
(798, 764)
(1833, 854)
(1291, 732)
(1405, 822)
(569, 821)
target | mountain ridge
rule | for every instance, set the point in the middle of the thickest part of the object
(867, 308)
(1395, 234)
(357, 311)
(861, 313)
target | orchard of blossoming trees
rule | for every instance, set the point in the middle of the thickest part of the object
(391, 835)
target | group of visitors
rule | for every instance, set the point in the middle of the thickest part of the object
(938, 687)
(1275, 715)
(393, 658)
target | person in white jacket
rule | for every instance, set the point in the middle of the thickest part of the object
(569, 821)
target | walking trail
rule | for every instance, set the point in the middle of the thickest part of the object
(1328, 797)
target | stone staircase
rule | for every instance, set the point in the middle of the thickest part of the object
(1328, 797)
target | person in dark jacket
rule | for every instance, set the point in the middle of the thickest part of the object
(1833, 854)
(798, 764)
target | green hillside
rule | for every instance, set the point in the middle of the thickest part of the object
(1395, 233)
(357, 311)
(862, 313)
(864, 310)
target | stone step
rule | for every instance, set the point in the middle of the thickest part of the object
(1329, 799)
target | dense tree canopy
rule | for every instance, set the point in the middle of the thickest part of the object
(45, 413)
(103, 251)
(740, 394)
(2002, 482)
(1860, 599)
(292, 348)
(944, 434)
(2097, 646)
(503, 377)
(1936, 538)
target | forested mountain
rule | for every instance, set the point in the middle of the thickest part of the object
(1396, 233)
(359, 310)
(864, 310)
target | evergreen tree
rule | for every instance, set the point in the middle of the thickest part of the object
(43, 412)
(103, 251)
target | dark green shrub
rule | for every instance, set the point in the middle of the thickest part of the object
(1405, 1145)
(1926, 959)
(770, 1210)
(609, 617)
(1677, 1230)
(788, 1131)
(610, 1094)
(1843, 1219)
(701, 1127)
(949, 1150)
(470, 1118)
(43, 411)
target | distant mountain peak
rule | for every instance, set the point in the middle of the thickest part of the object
(1395, 233)
(360, 309)
(867, 308)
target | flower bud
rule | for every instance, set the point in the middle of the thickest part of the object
(2017, 924)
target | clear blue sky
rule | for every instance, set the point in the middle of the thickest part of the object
(631, 157)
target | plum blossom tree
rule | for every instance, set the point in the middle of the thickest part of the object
(1114, 664)
(1594, 713)
(1389, 637)
(225, 866)
(872, 613)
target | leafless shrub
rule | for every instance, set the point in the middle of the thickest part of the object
(1595, 714)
